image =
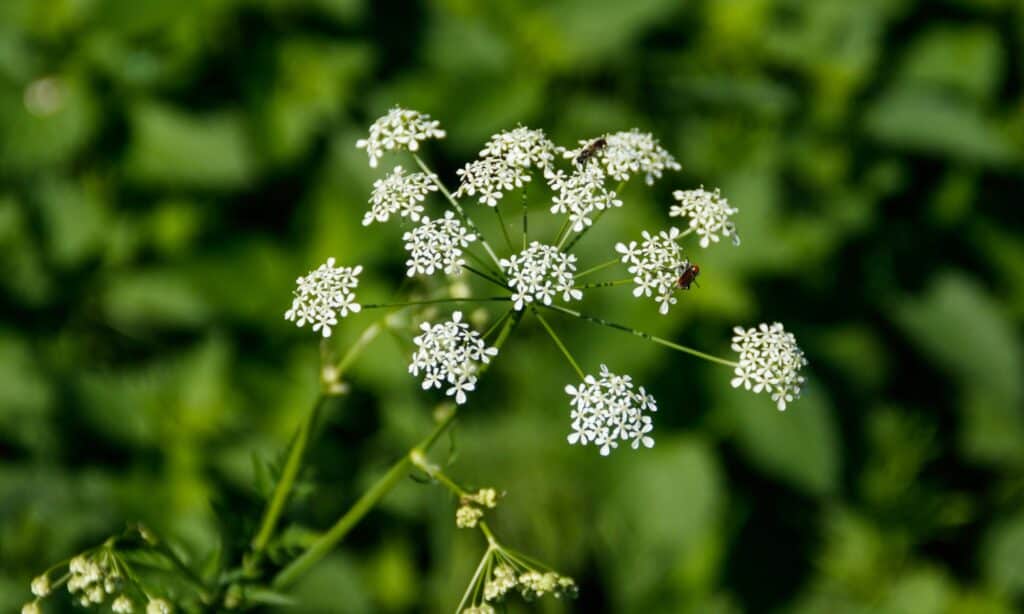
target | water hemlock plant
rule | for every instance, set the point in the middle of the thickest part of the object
(530, 280)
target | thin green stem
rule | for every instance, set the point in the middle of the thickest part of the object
(283, 487)
(558, 342)
(480, 261)
(360, 344)
(497, 323)
(455, 205)
(326, 542)
(561, 231)
(434, 301)
(525, 217)
(602, 266)
(491, 540)
(470, 595)
(504, 228)
(642, 335)
(486, 276)
(604, 284)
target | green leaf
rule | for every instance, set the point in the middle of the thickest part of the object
(968, 59)
(1003, 556)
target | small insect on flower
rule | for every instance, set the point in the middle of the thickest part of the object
(588, 152)
(688, 273)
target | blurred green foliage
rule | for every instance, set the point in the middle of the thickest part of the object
(168, 168)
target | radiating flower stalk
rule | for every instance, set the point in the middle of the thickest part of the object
(455, 333)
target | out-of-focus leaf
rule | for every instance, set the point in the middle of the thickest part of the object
(800, 446)
(967, 59)
(932, 122)
(44, 122)
(170, 148)
(1003, 561)
(154, 298)
(76, 219)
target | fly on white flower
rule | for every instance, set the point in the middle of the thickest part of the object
(539, 273)
(323, 295)
(450, 354)
(607, 409)
(399, 129)
(709, 214)
(657, 265)
(770, 360)
(400, 194)
(436, 245)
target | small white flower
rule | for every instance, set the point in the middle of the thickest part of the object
(626, 153)
(450, 353)
(709, 214)
(436, 245)
(158, 606)
(122, 605)
(32, 607)
(483, 608)
(770, 360)
(521, 147)
(655, 264)
(323, 295)
(581, 194)
(41, 585)
(489, 178)
(467, 516)
(400, 194)
(399, 129)
(539, 273)
(503, 579)
(607, 409)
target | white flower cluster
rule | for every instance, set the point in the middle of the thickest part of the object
(709, 214)
(450, 353)
(626, 153)
(92, 578)
(323, 294)
(770, 360)
(655, 265)
(158, 606)
(122, 605)
(607, 409)
(400, 194)
(399, 129)
(581, 194)
(471, 507)
(436, 245)
(522, 147)
(539, 273)
(489, 178)
(532, 583)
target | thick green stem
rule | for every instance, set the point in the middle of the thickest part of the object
(642, 335)
(326, 542)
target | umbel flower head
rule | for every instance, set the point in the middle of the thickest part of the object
(400, 194)
(709, 214)
(539, 273)
(323, 295)
(770, 361)
(489, 178)
(436, 245)
(655, 265)
(450, 353)
(627, 153)
(580, 194)
(607, 409)
(521, 147)
(399, 129)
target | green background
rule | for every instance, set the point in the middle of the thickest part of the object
(168, 168)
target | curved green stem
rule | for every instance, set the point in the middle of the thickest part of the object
(642, 335)
(558, 342)
(326, 542)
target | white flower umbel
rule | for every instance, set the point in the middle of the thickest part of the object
(627, 153)
(581, 194)
(436, 245)
(489, 178)
(159, 606)
(655, 264)
(607, 409)
(450, 354)
(399, 129)
(539, 273)
(399, 194)
(522, 147)
(323, 295)
(770, 360)
(709, 214)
